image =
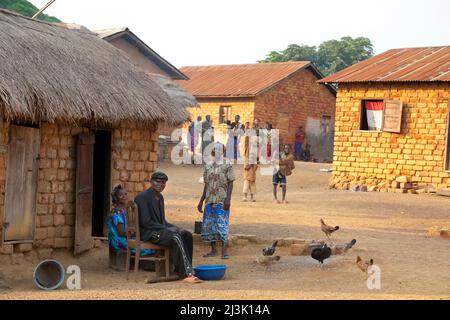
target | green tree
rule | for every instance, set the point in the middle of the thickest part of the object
(25, 8)
(330, 57)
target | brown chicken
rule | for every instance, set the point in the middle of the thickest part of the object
(328, 230)
(363, 265)
(266, 261)
(342, 248)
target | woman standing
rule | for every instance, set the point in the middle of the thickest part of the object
(218, 178)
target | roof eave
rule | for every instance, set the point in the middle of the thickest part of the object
(176, 74)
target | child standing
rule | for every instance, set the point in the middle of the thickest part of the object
(250, 181)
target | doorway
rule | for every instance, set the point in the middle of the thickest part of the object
(101, 190)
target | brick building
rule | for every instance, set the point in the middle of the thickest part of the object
(409, 131)
(81, 120)
(162, 71)
(284, 94)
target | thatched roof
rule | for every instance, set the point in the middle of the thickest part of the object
(50, 72)
(178, 94)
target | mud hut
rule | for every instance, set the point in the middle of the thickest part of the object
(77, 117)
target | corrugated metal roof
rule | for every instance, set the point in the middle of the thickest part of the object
(399, 65)
(238, 80)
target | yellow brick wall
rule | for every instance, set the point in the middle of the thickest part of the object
(418, 151)
(243, 107)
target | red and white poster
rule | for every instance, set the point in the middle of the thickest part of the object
(374, 111)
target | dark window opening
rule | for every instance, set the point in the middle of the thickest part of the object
(224, 114)
(102, 183)
(371, 115)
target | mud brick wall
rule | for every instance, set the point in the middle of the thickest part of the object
(134, 157)
(418, 151)
(55, 220)
(305, 101)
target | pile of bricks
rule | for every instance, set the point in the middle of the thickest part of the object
(403, 184)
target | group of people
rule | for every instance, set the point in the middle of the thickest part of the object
(214, 203)
(204, 131)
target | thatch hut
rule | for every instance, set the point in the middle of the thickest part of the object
(77, 117)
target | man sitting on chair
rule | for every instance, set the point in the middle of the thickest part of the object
(154, 228)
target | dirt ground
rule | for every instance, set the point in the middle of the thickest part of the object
(390, 228)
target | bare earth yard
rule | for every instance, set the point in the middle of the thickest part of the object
(390, 228)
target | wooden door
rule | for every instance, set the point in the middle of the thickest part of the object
(84, 190)
(283, 125)
(21, 183)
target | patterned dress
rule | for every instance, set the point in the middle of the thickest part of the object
(116, 241)
(215, 219)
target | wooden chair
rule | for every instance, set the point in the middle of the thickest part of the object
(134, 241)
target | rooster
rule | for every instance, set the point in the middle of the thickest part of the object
(269, 251)
(267, 261)
(328, 230)
(320, 254)
(363, 265)
(341, 248)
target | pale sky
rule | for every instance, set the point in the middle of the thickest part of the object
(205, 32)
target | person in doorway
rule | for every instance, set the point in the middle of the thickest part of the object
(299, 139)
(156, 229)
(218, 177)
(286, 165)
(117, 222)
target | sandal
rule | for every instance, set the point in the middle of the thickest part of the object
(226, 257)
(192, 279)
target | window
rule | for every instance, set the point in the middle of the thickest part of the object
(224, 114)
(325, 124)
(371, 115)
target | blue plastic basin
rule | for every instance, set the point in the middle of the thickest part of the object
(210, 272)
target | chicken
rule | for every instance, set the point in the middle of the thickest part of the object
(269, 251)
(341, 248)
(320, 254)
(363, 265)
(267, 261)
(328, 230)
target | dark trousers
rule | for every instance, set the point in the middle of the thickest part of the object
(181, 248)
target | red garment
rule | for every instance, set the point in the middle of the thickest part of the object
(299, 137)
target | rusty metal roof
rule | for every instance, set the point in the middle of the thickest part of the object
(239, 80)
(426, 64)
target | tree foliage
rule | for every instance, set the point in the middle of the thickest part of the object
(25, 8)
(331, 56)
